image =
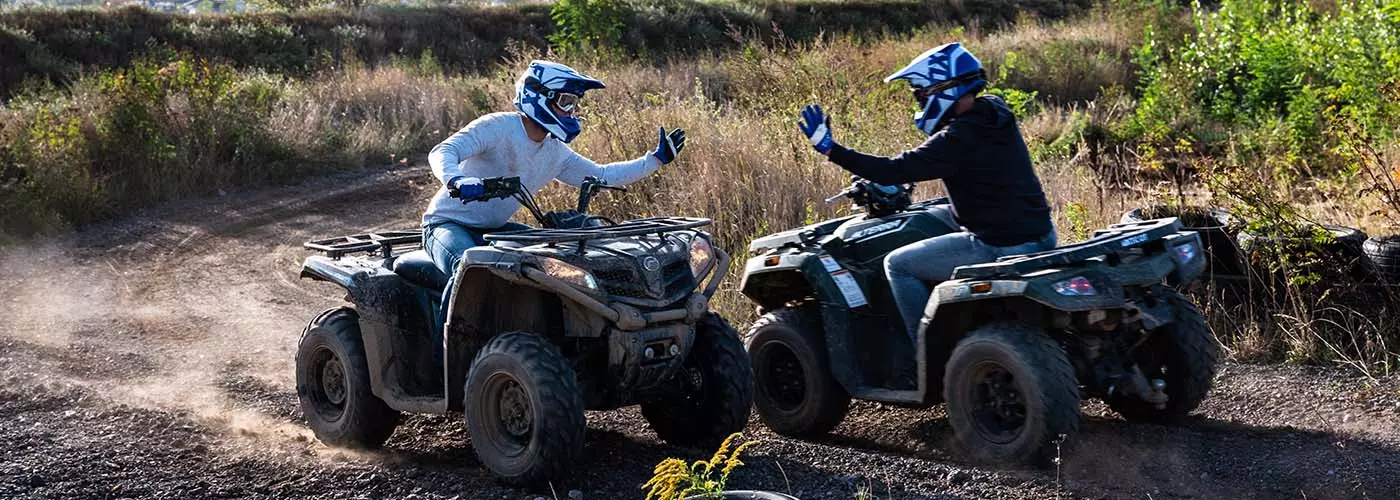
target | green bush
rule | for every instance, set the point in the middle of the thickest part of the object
(1287, 74)
(582, 25)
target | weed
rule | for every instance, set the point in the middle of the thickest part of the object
(673, 479)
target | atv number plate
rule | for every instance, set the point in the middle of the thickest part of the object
(844, 281)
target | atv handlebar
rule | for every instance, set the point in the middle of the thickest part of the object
(493, 187)
(510, 187)
(590, 188)
(876, 201)
(845, 193)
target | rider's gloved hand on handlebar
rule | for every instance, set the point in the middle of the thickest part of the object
(885, 189)
(817, 127)
(669, 145)
(465, 188)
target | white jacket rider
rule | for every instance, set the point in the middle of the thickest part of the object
(531, 144)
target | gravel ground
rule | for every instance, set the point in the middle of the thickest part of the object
(152, 358)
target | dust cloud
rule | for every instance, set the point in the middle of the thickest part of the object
(141, 330)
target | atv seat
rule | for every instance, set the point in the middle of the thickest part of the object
(417, 267)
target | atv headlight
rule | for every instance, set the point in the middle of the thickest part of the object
(570, 273)
(702, 256)
(1077, 286)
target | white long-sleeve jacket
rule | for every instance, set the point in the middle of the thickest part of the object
(496, 145)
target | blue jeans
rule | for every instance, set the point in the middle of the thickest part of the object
(933, 260)
(445, 243)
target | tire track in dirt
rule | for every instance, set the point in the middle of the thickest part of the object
(152, 357)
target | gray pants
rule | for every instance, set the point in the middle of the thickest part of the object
(933, 260)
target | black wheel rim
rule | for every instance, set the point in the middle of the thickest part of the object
(509, 413)
(330, 389)
(998, 406)
(784, 380)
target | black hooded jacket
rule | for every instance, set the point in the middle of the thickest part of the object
(985, 168)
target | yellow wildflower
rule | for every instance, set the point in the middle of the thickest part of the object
(718, 457)
(733, 461)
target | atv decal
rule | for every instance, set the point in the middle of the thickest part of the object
(874, 230)
(844, 281)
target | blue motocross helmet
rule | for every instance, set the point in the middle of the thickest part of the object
(547, 84)
(940, 77)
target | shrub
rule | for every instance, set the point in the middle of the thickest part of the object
(189, 127)
(58, 44)
(1258, 65)
(588, 25)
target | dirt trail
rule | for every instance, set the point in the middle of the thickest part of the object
(152, 357)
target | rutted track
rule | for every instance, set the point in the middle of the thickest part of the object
(152, 357)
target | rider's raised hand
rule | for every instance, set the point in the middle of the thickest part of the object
(669, 145)
(465, 188)
(817, 127)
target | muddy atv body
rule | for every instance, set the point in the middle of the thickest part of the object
(1011, 346)
(541, 325)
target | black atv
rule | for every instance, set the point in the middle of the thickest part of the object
(580, 314)
(1012, 346)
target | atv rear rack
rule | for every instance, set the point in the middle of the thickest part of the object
(382, 243)
(1112, 240)
(652, 225)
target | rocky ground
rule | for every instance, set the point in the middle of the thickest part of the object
(152, 357)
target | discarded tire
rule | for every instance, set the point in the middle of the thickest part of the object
(1384, 254)
(1217, 229)
(1277, 257)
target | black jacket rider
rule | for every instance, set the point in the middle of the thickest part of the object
(985, 168)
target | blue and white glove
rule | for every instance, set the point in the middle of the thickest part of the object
(817, 127)
(669, 145)
(465, 188)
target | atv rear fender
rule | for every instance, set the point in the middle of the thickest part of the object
(1110, 278)
(339, 271)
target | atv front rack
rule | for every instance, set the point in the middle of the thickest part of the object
(652, 225)
(1116, 238)
(381, 243)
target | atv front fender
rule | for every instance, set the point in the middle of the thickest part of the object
(775, 278)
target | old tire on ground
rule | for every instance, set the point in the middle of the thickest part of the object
(710, 397)
(333, 384)
(524, 410)
(794, 392)
(1342, 258)
(1384, 254)
(1011, 394)
(1185, 354)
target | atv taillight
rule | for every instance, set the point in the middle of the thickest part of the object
(1184, 253)
(1077, 286)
